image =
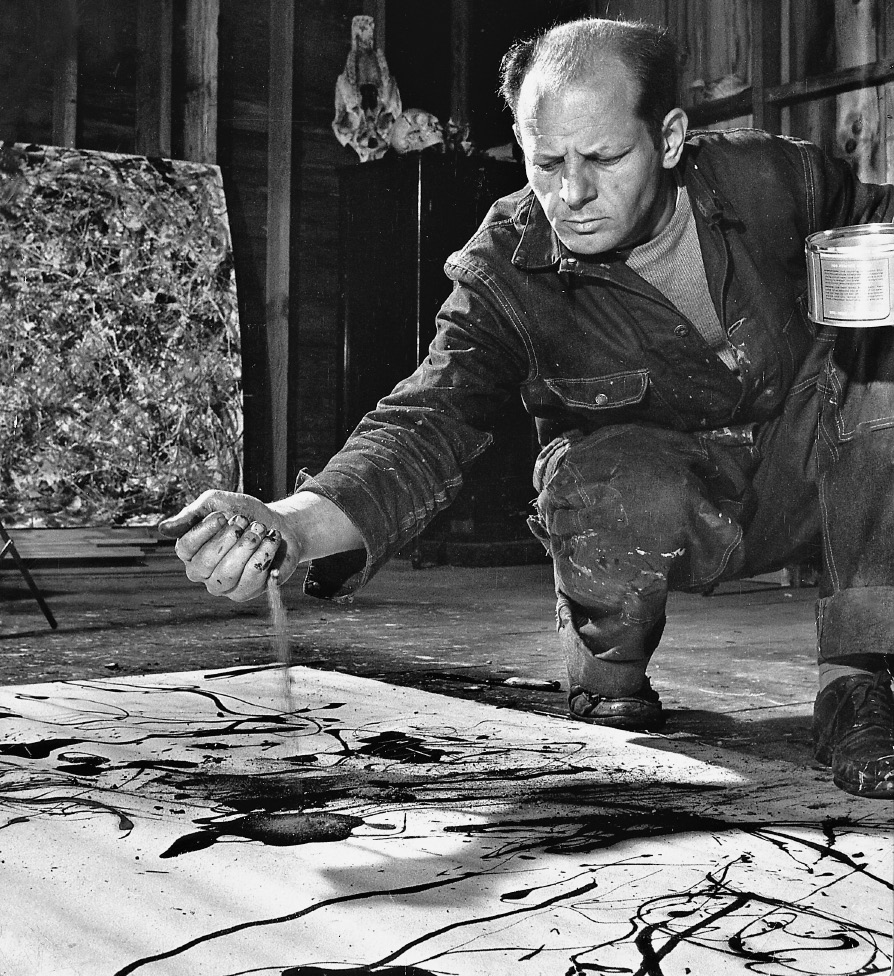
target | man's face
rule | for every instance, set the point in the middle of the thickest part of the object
(593, 165)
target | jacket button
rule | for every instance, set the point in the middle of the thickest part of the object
(601, 399)
(682, 331)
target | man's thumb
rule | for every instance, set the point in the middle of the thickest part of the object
(179, 524)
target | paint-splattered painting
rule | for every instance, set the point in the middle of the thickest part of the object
(203, 825)
(119, 338)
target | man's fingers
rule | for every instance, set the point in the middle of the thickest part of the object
(190, 543)
(256, 570)
(195, 512)
(249, 558)
(204, 558)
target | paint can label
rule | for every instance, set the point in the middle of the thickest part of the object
(855, 291)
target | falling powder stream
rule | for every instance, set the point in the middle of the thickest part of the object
(280, 626)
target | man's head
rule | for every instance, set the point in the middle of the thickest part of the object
(596, 116)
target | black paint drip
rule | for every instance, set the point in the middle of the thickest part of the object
(400, 747)
(39, 749)
(275, 829)
(360, 971)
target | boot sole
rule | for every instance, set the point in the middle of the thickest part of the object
(882, 791)
(629, 723)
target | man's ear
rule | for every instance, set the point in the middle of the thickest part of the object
(673, 136)
(516, 133)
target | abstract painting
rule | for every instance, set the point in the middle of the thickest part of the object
(120, 370)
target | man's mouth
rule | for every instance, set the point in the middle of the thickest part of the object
(584, 225)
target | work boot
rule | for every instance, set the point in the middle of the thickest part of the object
(853, 732)
(638, 713)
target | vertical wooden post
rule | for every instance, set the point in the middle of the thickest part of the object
(65, 75)
(810, 30)
(376, 9)
(153, 93)
(279, 223)
(200, 110)
(886, 50)
(766, 62)
(858, 127)
(460, 36)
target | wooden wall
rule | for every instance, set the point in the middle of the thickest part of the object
(816, 69)
(249, 84)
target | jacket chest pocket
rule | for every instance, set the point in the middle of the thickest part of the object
(600, 392)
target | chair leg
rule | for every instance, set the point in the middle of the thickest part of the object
(9, 547)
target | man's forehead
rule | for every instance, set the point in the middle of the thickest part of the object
(581, 114)
(547, 100)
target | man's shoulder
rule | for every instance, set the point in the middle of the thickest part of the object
(733, 146)
(507, 211)
(747, 163)
(500, 231)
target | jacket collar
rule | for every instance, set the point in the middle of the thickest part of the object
(539, 247)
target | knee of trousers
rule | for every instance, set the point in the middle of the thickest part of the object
(623, 523)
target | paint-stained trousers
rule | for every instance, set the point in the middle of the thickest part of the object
(630, 512)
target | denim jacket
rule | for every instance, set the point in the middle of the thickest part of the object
(587, 342)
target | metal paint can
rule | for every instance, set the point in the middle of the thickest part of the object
(850, 276)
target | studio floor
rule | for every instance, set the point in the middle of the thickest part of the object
(440, 685)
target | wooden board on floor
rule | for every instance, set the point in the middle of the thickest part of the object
(91, 544)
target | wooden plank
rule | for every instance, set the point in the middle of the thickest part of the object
(279, 222)
(460, 59)
(792, 92)
(200, 109)
(886, 50)
(377, 10)
(152, 136)
(65, 74)
(833, 83)
(810, 27)
(766, 62)
(89, 543)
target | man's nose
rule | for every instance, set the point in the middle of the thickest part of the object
(578, 187)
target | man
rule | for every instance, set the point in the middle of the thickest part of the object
(645, 295)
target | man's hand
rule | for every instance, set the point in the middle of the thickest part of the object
(230, 541)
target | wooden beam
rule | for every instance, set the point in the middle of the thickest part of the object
(460, 57)
(153, 93)
(810, 29)
(819, 86)
(833, 83)
(886, 50)
(766, 62)
(377, 10)
(200, 110)
(279, 224)
(65, 74)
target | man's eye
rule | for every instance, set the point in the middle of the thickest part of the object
(549, 167)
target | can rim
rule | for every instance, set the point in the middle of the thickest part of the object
(853, 237)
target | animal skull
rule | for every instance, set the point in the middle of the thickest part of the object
(415, 130)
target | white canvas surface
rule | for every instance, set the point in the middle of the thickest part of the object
(207, 824)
